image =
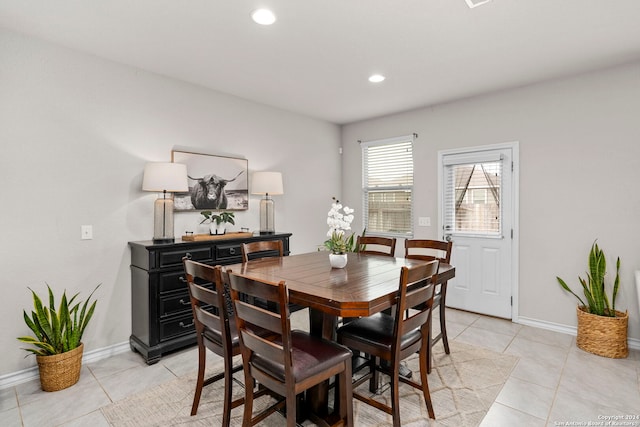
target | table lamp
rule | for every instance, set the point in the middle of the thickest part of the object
(267, 184)
(162, 178)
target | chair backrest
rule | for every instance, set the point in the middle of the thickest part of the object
(274, 341)
(416, 290)
(382, 245)
(428, 250)
(267, 248)
(215, 321)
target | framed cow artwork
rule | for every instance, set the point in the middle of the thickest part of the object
(215, 182)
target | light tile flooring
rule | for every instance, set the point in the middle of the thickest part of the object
(554, 383)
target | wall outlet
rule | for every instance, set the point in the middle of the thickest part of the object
(424, 221)
(86, 232)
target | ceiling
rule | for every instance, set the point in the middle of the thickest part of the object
(316, 58)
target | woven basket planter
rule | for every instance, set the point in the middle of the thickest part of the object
(60, 371)
(602, 335)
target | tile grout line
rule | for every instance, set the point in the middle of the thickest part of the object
(557, 387)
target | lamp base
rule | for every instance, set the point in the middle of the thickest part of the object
(262, 233)
(163, 241)
(163, 220)
(267, 214)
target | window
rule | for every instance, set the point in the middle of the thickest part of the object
(473, 189)
(387, 183)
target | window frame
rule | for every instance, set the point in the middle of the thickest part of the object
(366, 190)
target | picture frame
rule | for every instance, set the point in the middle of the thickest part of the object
(215, 182)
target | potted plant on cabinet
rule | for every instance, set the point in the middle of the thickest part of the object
(58, 338)
(602, 329)
(218, 221)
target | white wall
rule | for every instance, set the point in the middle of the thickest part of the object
(75, 133)
(579, 176)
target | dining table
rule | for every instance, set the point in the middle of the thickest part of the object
(368, 284)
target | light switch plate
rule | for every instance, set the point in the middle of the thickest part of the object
(424, 221)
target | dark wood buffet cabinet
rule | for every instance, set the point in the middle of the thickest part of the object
(161, 317)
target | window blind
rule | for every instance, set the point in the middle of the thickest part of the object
(388, 186)
(473, 190)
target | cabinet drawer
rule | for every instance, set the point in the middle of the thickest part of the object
(174, 258)
(229, 254)
(175, 281)
(174, 304)
(176, 326)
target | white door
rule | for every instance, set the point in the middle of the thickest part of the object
(478, 214)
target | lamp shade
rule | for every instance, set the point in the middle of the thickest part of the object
(267, 183)
(170, 177)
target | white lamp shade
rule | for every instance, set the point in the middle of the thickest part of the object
(170, 177)
(267, 183)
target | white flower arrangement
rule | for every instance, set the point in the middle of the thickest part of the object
(339, 223)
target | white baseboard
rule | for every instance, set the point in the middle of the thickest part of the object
(19, 377)
(633, 343)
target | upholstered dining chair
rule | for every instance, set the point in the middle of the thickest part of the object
(394, 338)
(381, 245)
(428, 250)
(261, 249)
(286, 362)
(215, 330)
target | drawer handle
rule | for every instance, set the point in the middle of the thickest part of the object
(182, 325)
(187, 255)
(182, 279)
(232, 251)
(184, 303)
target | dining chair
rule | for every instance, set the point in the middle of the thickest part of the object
(286, 362)
(429, 250)
(215, 330)
(264, 249)
(261, 249)
(394, 338)
(382, 245)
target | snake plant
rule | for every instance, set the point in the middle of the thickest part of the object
(594, 287)
(57, 331)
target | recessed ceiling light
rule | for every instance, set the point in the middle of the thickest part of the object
(476, 3)
(376, 78)
(263, 17)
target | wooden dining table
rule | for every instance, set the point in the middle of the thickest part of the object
(367, 285)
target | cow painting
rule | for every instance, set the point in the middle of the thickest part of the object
(208, 192)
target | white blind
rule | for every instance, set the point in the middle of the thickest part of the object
(473, 193)
(388, 186)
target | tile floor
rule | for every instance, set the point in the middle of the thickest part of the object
(553, 384)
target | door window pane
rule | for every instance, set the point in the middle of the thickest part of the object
(473, 193)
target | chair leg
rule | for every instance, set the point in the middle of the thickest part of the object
(247, 420)
(424, 357)
(202, 360)
(343, 397)
(443, 325)
(429, 347)
(291, 409)
(395, 400)
(228, 384)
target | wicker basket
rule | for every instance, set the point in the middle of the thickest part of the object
(60, 371)
(602, 335)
